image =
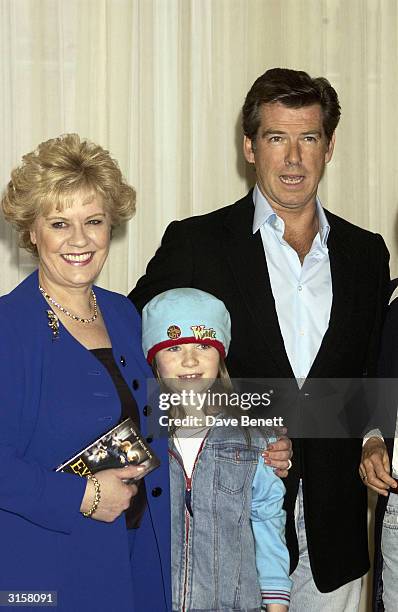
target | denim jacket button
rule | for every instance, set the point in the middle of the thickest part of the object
(156, 492)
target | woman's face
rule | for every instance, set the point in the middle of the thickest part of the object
(72, 244)
(188, 366)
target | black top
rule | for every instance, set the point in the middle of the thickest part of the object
(129, 409)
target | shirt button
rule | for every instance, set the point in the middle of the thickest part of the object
(300, 288)
(123, 360)
(156, 491)
(136, 384)
(149, 439)
(147, 410)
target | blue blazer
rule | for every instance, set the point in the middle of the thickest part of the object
(55, 398)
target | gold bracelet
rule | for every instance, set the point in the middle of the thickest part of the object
(97, 496)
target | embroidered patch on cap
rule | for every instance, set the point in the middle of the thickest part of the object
(174, 332)
(201, 332)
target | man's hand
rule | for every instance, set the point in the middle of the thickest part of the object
(374, 468)
(278, 455)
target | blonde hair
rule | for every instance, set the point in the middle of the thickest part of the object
(51, 174)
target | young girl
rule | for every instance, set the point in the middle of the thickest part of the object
(228, 546)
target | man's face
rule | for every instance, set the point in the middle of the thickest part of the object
(290, 153)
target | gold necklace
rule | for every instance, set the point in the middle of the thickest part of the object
(70, 314)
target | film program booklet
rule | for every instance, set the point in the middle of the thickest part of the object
(121, 446)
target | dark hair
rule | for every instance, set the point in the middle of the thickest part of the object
(293, 88)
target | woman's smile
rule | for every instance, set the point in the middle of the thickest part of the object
(78, 259)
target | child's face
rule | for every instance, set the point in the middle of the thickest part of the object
(191, 366)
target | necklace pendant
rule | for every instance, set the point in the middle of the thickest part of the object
(53, 324)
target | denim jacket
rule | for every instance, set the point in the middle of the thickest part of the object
(228, 546)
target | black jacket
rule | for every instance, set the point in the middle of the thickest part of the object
(218, 253)
(388, 369)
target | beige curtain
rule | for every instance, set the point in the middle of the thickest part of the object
(161, 82)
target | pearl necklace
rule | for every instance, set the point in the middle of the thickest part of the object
(70, 314)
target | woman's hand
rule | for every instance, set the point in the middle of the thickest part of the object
(374, 468)
(115, 494)
(278, 455)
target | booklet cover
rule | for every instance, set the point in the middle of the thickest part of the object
(118, 447)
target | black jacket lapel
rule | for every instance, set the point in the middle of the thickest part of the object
(248, 264)
(342, 271)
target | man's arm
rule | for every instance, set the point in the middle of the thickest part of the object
(170, 267)
(374, 468)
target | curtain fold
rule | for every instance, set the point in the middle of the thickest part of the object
(160, 83)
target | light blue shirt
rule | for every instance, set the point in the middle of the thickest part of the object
(302, 293)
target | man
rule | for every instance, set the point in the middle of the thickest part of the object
(307, 292)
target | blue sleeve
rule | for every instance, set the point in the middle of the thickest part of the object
(268, 523)
(51, 500)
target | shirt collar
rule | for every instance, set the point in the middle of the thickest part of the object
(264, 213)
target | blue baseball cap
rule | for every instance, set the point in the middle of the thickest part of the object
(183, 316)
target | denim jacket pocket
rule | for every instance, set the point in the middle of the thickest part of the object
(234, 465)
(390, 520)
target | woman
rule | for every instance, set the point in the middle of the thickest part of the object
(72, 366)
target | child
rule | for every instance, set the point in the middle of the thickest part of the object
(228, 547)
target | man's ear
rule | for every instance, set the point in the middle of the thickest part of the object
(330, 148)
(248, 151)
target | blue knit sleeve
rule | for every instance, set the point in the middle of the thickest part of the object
(268, 523)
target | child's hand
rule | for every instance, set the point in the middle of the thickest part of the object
(278, 455)
(276, 608)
